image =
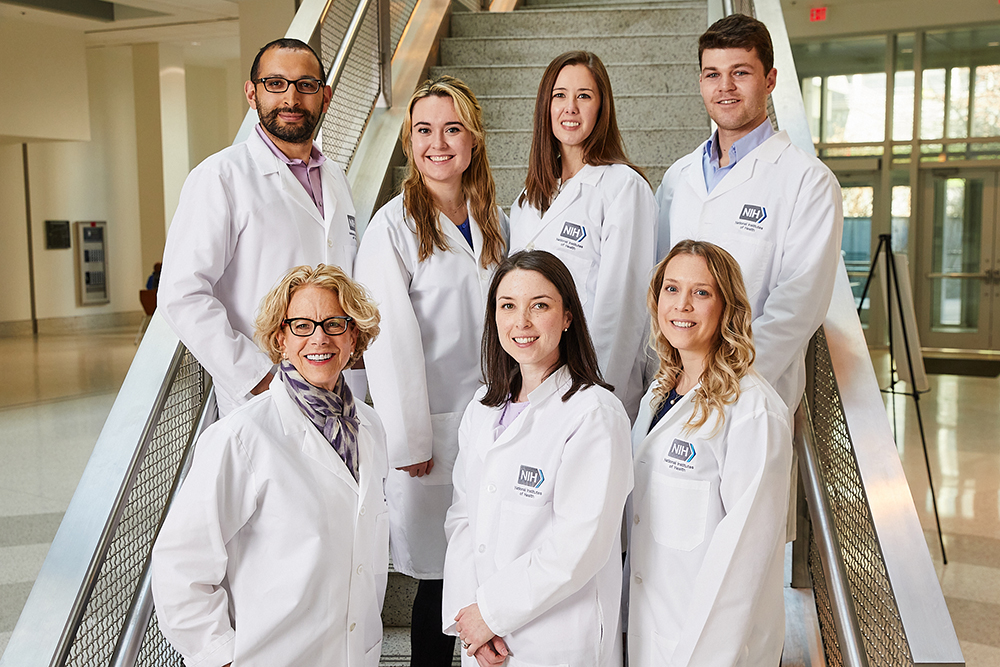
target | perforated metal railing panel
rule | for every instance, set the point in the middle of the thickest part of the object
(156, 651)
(881, 627)
(399, 15)
(142, 510)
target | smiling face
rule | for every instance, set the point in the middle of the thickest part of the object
(290, 116)
(689, 307)
(440, 144)
(319, 358)
(734, 87)
(575, 105)
(530, 321)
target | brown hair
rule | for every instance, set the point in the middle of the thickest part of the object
(576, 350)
(285, 43)
(739, 31)
(732, 354)
(355, 301)
(477, 181)
(603, 146)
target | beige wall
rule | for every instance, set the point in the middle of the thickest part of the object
(210, 97)
(15, 304)
(92, 180)
(52, 103)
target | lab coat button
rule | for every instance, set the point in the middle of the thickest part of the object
(329, 243)
(482, 548)
(491, 488)
(362, 513)
(361, 568)
(636, 519)
(530, 247)
(353, 625)
(638, 579)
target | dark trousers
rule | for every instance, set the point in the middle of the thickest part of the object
(429, 647)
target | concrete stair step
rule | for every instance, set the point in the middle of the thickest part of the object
(399, 593)
(653, 48)
(632, 111)
(610, 21)
(626, 79)
(543, 4)
(655, 146)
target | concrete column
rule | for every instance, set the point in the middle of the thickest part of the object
(174, 125)
(149, 152)
(262, 21)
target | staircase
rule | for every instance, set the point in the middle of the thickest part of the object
(651, 53)
(649, 49)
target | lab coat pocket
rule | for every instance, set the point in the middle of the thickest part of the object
(748, 253)
(678, 510)
(579, 268)
(663, 649)
(373, 655)
(444, 448)
(521, 528)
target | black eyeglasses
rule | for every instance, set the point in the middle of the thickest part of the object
(279, 84)
(304, 327)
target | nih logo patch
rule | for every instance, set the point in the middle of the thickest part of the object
(573, 232)
(682, 451)
(530, 477)
(752, 213)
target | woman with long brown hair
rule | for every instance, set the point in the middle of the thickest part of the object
(587, 204)
(712, 453)
(427, 256)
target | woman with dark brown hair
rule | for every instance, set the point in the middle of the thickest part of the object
(533, 570)
(587, 204)
(427, 256)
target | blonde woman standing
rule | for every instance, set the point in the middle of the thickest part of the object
(712, 455)
(428, 256)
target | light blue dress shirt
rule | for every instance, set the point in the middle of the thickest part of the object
(741, 147)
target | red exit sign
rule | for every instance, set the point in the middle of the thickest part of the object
(817, 14)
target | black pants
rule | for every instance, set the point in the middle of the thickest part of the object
(429, 647)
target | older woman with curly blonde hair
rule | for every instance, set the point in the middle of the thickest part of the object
(712, 453)
(282, 521)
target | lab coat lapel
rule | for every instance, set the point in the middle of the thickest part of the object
(744, 169)
(694, 175)
(678, 414)
(331, 199)
(366, 456)
(570, 193)
(312, 442)
(455, 238)
(555, 384)
(298, 193)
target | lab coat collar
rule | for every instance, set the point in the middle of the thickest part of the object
(680, 412)
(555, 385)
(741, 172)
(457, 240)
(589, 176)
(269, 164)
(315, 446)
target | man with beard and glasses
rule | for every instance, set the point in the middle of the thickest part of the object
(248, 214)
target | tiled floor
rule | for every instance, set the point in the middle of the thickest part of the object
(59, 389)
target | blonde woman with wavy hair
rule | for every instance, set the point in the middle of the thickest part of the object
(712, 454)
(428, 257)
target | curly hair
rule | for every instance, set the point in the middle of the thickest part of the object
(354, 299)
(732, 354)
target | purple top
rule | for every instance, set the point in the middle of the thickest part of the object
(510, 412)
(308, 175)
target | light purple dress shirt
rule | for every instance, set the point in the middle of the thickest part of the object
(309, 175)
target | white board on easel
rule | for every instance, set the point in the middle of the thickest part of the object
(902, 273)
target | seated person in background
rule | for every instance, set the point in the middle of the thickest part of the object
(533, 565)
(153, 281)
(282, 521)
(712, 455)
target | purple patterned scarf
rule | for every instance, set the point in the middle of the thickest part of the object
(333, 413)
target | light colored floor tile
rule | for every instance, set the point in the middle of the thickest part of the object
(22, 563)
(4, 638)
(971, 582)
(980, 655)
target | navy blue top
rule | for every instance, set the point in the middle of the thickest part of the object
(466, 231)
(668, 402)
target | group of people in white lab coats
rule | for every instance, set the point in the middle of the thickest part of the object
(513, 359)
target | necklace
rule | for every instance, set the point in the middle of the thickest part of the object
(673, 397)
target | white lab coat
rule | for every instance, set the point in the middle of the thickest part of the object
(602, 226)
(707, 525)
(423, 369)
(534, 532)
(789, 257)
(242, 222)
(271, 535)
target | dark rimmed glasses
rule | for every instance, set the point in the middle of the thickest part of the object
(279, 84)
(304, 327)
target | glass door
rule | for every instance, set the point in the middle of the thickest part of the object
(958, 282)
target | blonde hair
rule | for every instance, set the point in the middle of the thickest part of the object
(353, 298)
(477, 180)
(732, 354)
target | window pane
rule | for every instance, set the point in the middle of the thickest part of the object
(956, 249)
(900, 218)
(958, 104)
(902, 107)
(932, 105)
(855, 108)
(986, 102)
(811, 98)
(856, 242)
